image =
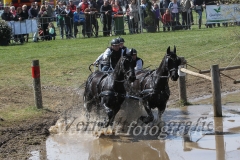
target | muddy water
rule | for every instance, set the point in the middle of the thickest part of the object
(186, 133)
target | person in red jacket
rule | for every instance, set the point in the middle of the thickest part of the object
(166, 20)
(72, 6)
(83, 5)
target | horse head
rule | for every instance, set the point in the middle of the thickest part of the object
(172, 61)
(127, 68)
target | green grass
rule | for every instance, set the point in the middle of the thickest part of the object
(65, 62)
(14, 114)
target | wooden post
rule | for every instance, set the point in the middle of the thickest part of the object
(182, 84)
(37, 83)
(219, 138)
(216, 91)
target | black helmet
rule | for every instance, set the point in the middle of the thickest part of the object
(115, 42)
(121, 40)
(133, 51)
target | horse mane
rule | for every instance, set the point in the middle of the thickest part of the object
(161, 68)
(117, 69)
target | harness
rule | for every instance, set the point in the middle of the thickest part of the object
(149, 92)
(109, 92)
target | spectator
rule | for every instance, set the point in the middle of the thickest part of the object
(43, 16)
(133, 15)
(143, 8)
(156, 11)
(175, 9)
(49, 10)
(91, 19)
(163, 6)
(33, 12)
(93, 4)
(52, 31)
(79, 19)
(37, 6)
(25, 14)
(7, 15)
(83, 5)
(199, 9)
(25, 11)
(186, 6)
(99, 4)
(13, 11)
(68, 22)
(19, 17)
(61, 15)
(106, 11)
(167, 20)
(117, 9)
(72, 6)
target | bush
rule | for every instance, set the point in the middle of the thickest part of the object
(150, 19)
(5, 30)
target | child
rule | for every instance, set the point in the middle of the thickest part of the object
(166, 20)
(157, 15)
(51, 30)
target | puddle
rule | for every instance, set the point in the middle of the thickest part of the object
(190, 133)
(227, 98)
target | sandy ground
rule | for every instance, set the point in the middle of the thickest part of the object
(17, 140)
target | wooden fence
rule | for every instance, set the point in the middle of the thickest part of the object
(215, 79)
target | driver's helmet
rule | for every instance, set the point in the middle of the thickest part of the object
(132, 51)
(115, 42)
(121, 40)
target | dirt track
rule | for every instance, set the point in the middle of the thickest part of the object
(17, 139)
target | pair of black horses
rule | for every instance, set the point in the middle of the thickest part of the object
(151, 86)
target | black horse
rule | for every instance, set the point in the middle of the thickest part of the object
(107, 89)
(152, 86)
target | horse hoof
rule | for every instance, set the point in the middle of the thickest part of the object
(142, 118)
(100, 124)
(146, 119)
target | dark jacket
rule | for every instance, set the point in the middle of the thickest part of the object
(25, 14)
(19, 15)
(7, 16)
(68, 17)
(198, 2)
(103, 9)
(115, 56)
(32, 13)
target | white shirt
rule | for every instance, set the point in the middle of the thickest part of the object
(106, 54)
(138, 65)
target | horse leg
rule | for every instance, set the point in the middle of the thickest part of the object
(150, 117)
(87, 105)
(109, 114)
(161, 109)
(115, 111)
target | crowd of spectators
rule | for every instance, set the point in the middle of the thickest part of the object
(69, 15)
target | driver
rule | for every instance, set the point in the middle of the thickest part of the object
(124, 49)
(111, 56)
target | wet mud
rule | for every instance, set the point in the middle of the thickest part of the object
(185, 133)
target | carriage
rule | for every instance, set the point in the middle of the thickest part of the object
(107, 89)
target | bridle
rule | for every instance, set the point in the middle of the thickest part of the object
(166, 67)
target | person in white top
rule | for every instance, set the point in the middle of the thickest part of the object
(110, 57)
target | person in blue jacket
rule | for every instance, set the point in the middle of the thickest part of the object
(79, 19)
